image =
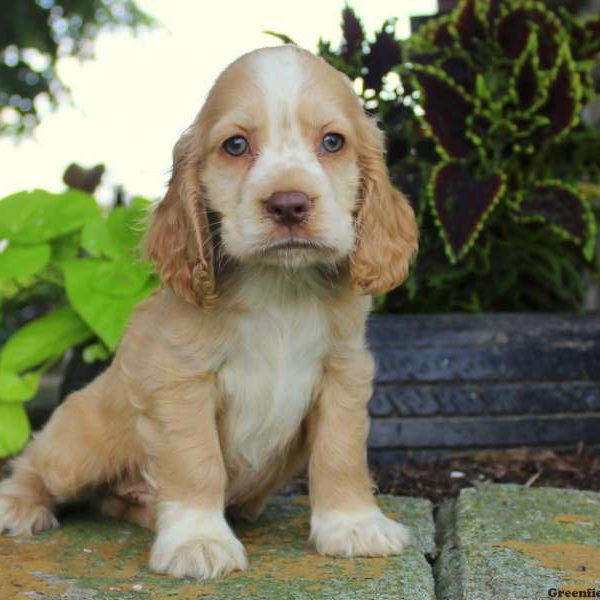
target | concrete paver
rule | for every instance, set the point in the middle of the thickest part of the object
(94, 558)
(496, 542)
(506, 542)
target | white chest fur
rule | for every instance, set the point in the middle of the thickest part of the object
(268, 377)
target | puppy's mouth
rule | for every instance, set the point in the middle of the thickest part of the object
(291, 244)
(296, 250)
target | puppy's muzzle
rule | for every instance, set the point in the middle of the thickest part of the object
(288, 208)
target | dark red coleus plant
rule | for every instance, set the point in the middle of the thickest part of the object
(500, 85)
(481, 110)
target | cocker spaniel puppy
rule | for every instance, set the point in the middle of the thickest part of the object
(279, 222)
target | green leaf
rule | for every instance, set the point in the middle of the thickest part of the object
(18, 389)
(14, 429)
(105, 293)
(38, 216)
(19, 261)
(116, 237)
(95, 352)
(480, 87)
(66, 246)
(43, 339)
(96, 239)
(285, 39)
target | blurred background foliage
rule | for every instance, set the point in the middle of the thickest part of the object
(70, 276)
(36, 35)
(482, 108)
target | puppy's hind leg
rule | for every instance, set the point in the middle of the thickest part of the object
(133, 501)
(143, 515)
(89, 440)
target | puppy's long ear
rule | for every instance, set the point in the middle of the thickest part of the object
(178, 240)
(386, 230)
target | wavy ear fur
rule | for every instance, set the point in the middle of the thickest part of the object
(386, 229)
(178, 240)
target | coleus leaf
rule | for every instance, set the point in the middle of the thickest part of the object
(564, 210)
(526, 79)
(527, 84)
(461, 204)
(516, 25)
(426, 58)
(446, 108)
(493, 10)
(575, 29)
(353, 32)
(469, 26)
(436, 32)
(592, 37)
(583, 34)
(562, 104)
(384, 54)
(441, 35)
(513, 33)
(479, 125)
(460, 71)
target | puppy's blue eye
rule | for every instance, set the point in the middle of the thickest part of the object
(332, 142)
(236, 145)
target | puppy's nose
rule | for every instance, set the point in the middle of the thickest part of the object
(288, 208)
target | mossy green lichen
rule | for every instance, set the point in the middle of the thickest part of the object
(514, 543)
(102, 559)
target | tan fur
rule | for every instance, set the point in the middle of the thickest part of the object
(385, 216)
(178, 237)
(252, 356)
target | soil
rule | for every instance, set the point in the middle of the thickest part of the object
(441, 479)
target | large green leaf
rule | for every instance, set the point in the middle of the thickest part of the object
(14, 429)
(119, 235)
(105, 293)
(18, 261)
(43, 339)
(38, 216)
(66, 247)
(14, 388)
(97, 240)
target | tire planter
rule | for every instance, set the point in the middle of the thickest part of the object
(447, 383)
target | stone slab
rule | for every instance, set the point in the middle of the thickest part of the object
(90, 557)
(507, 542)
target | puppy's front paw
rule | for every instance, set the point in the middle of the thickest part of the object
(201, 558)
(195, 543)
(366, 533)
(19, 516)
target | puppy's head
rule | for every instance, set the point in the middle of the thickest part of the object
(281, 166)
